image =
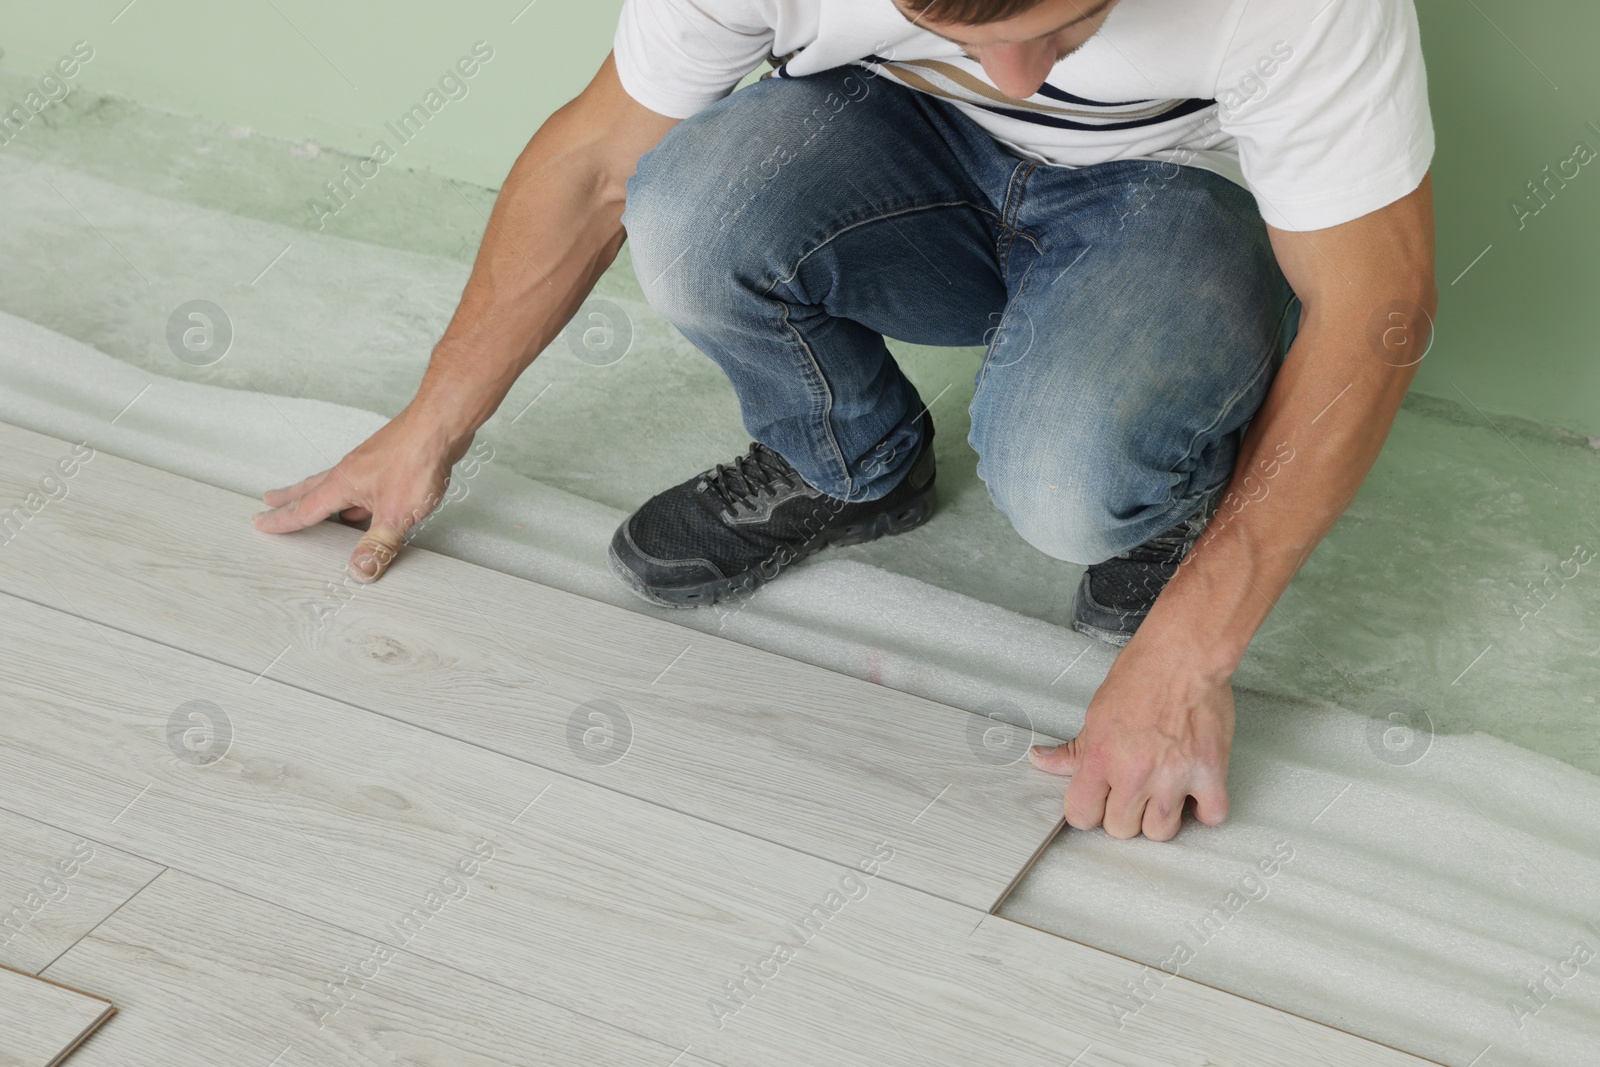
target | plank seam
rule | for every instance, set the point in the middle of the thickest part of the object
(236, 669)
(108, 915)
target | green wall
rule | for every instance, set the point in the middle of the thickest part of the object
(1520, 333)
(334, 72)
(1513, 89)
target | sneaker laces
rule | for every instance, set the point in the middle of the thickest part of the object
(750, 477)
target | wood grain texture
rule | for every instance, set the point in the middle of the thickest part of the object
(55, 886)
(263, 971)
(635, 914)
(783, 751)
(42, 1022)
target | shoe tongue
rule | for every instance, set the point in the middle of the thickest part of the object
(766, 457)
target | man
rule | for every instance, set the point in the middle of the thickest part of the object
(1195, 236)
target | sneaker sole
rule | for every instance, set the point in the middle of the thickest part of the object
(907, 517)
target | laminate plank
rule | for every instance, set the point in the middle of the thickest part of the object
(55, 886)
(207, 976)
(43, 1021)
(646, 918)
(783, 751)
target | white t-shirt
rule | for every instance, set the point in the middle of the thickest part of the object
(1318, 107)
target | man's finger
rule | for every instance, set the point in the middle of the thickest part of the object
(1085, 802)
(1211, 804)
(1124, 815)
(1163, 814)
(276, 498)
(1057, 759)
(374, 552)
(307, 510)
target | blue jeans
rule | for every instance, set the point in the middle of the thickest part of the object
(1133, 313)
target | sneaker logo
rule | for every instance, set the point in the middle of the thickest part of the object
(749, 512)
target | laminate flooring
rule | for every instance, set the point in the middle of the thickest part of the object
(620, 699)
(386, 840)
(55, 886)
(42, 1022)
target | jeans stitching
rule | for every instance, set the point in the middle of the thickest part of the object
(1267, 364)
(795, 270)
(1013, 201)
(988, 355)
(817, 376)
(1003, 244)
(1009, 210)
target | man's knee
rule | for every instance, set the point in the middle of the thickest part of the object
(1069, 522)
(668, 219)
(707, 204)
(1083, 500)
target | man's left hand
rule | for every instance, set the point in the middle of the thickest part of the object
(1157, 732)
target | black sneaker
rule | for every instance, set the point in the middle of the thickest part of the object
(729, 529)
(1114, 597)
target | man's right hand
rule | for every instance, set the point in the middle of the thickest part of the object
(555, 228)
(395, 478)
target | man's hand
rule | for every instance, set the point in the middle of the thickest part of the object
(555, 228)
(395, 478)
(1160, 727)
(1157, 732)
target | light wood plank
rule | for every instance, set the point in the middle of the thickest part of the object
(207, 976)
(632, 913)
(42, 1021)
(55, 886)
(783, 751)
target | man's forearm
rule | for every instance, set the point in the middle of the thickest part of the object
(1160, 726)
(555, 227)
(1307, 451)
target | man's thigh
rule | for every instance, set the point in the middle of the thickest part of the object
(1135, 348)
(839, 191)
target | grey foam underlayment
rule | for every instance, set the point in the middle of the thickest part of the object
(1416, 899)
(248, 441)
(1419, 897)
(1427, 567)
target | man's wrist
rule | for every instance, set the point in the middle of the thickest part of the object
(450, 404)
(1187, 646)
(1207, 614)
(441, 419)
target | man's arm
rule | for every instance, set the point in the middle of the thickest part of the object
(555, 227)
(1161, 725)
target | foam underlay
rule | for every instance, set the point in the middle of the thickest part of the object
(1417, 901)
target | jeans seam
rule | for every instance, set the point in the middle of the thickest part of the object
(1268, 364)
(988, 355)
(816, 374)
(818, 377)
(1009, 210)
(795, 270)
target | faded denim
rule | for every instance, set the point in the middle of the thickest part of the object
(1133, 313)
